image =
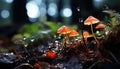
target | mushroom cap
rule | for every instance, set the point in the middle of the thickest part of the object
(63, 30)
(86, 34)
(73, 33)
(100, 26)
(90, 20)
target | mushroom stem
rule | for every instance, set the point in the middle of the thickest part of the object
(86, 45)
(83, 37)
(66, 41)
(67, 36)
(98, 44)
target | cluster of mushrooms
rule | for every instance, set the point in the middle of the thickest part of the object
(71, 39)
(83, 45)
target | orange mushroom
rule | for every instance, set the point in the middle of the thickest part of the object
(89, 21)
(100, 26)
(73, 33)
(86, 35)
(63, 30)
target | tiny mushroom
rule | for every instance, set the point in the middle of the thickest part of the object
(86, 35)
(100, 26)
(63, 30)
(89, 21)
(73, 33)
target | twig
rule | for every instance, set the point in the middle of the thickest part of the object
(93, 65)
(113, 56)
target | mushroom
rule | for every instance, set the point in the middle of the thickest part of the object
(86, 35)
(100, 26)
(64, 30)
(89, 21)
(74, 33)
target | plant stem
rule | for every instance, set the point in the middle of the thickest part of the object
(113, 56)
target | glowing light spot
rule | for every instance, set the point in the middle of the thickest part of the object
(32, 9)
(98, 0)
(66, 12)
(98, 3)
(97, 32)
(52, 10)
(32, 40)
(43, 11)
(9, 1)
(5, 13)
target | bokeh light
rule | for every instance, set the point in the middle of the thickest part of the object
(5, 13)
(66, 12)
(52, 9)
(9, 1)
(32, 9)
